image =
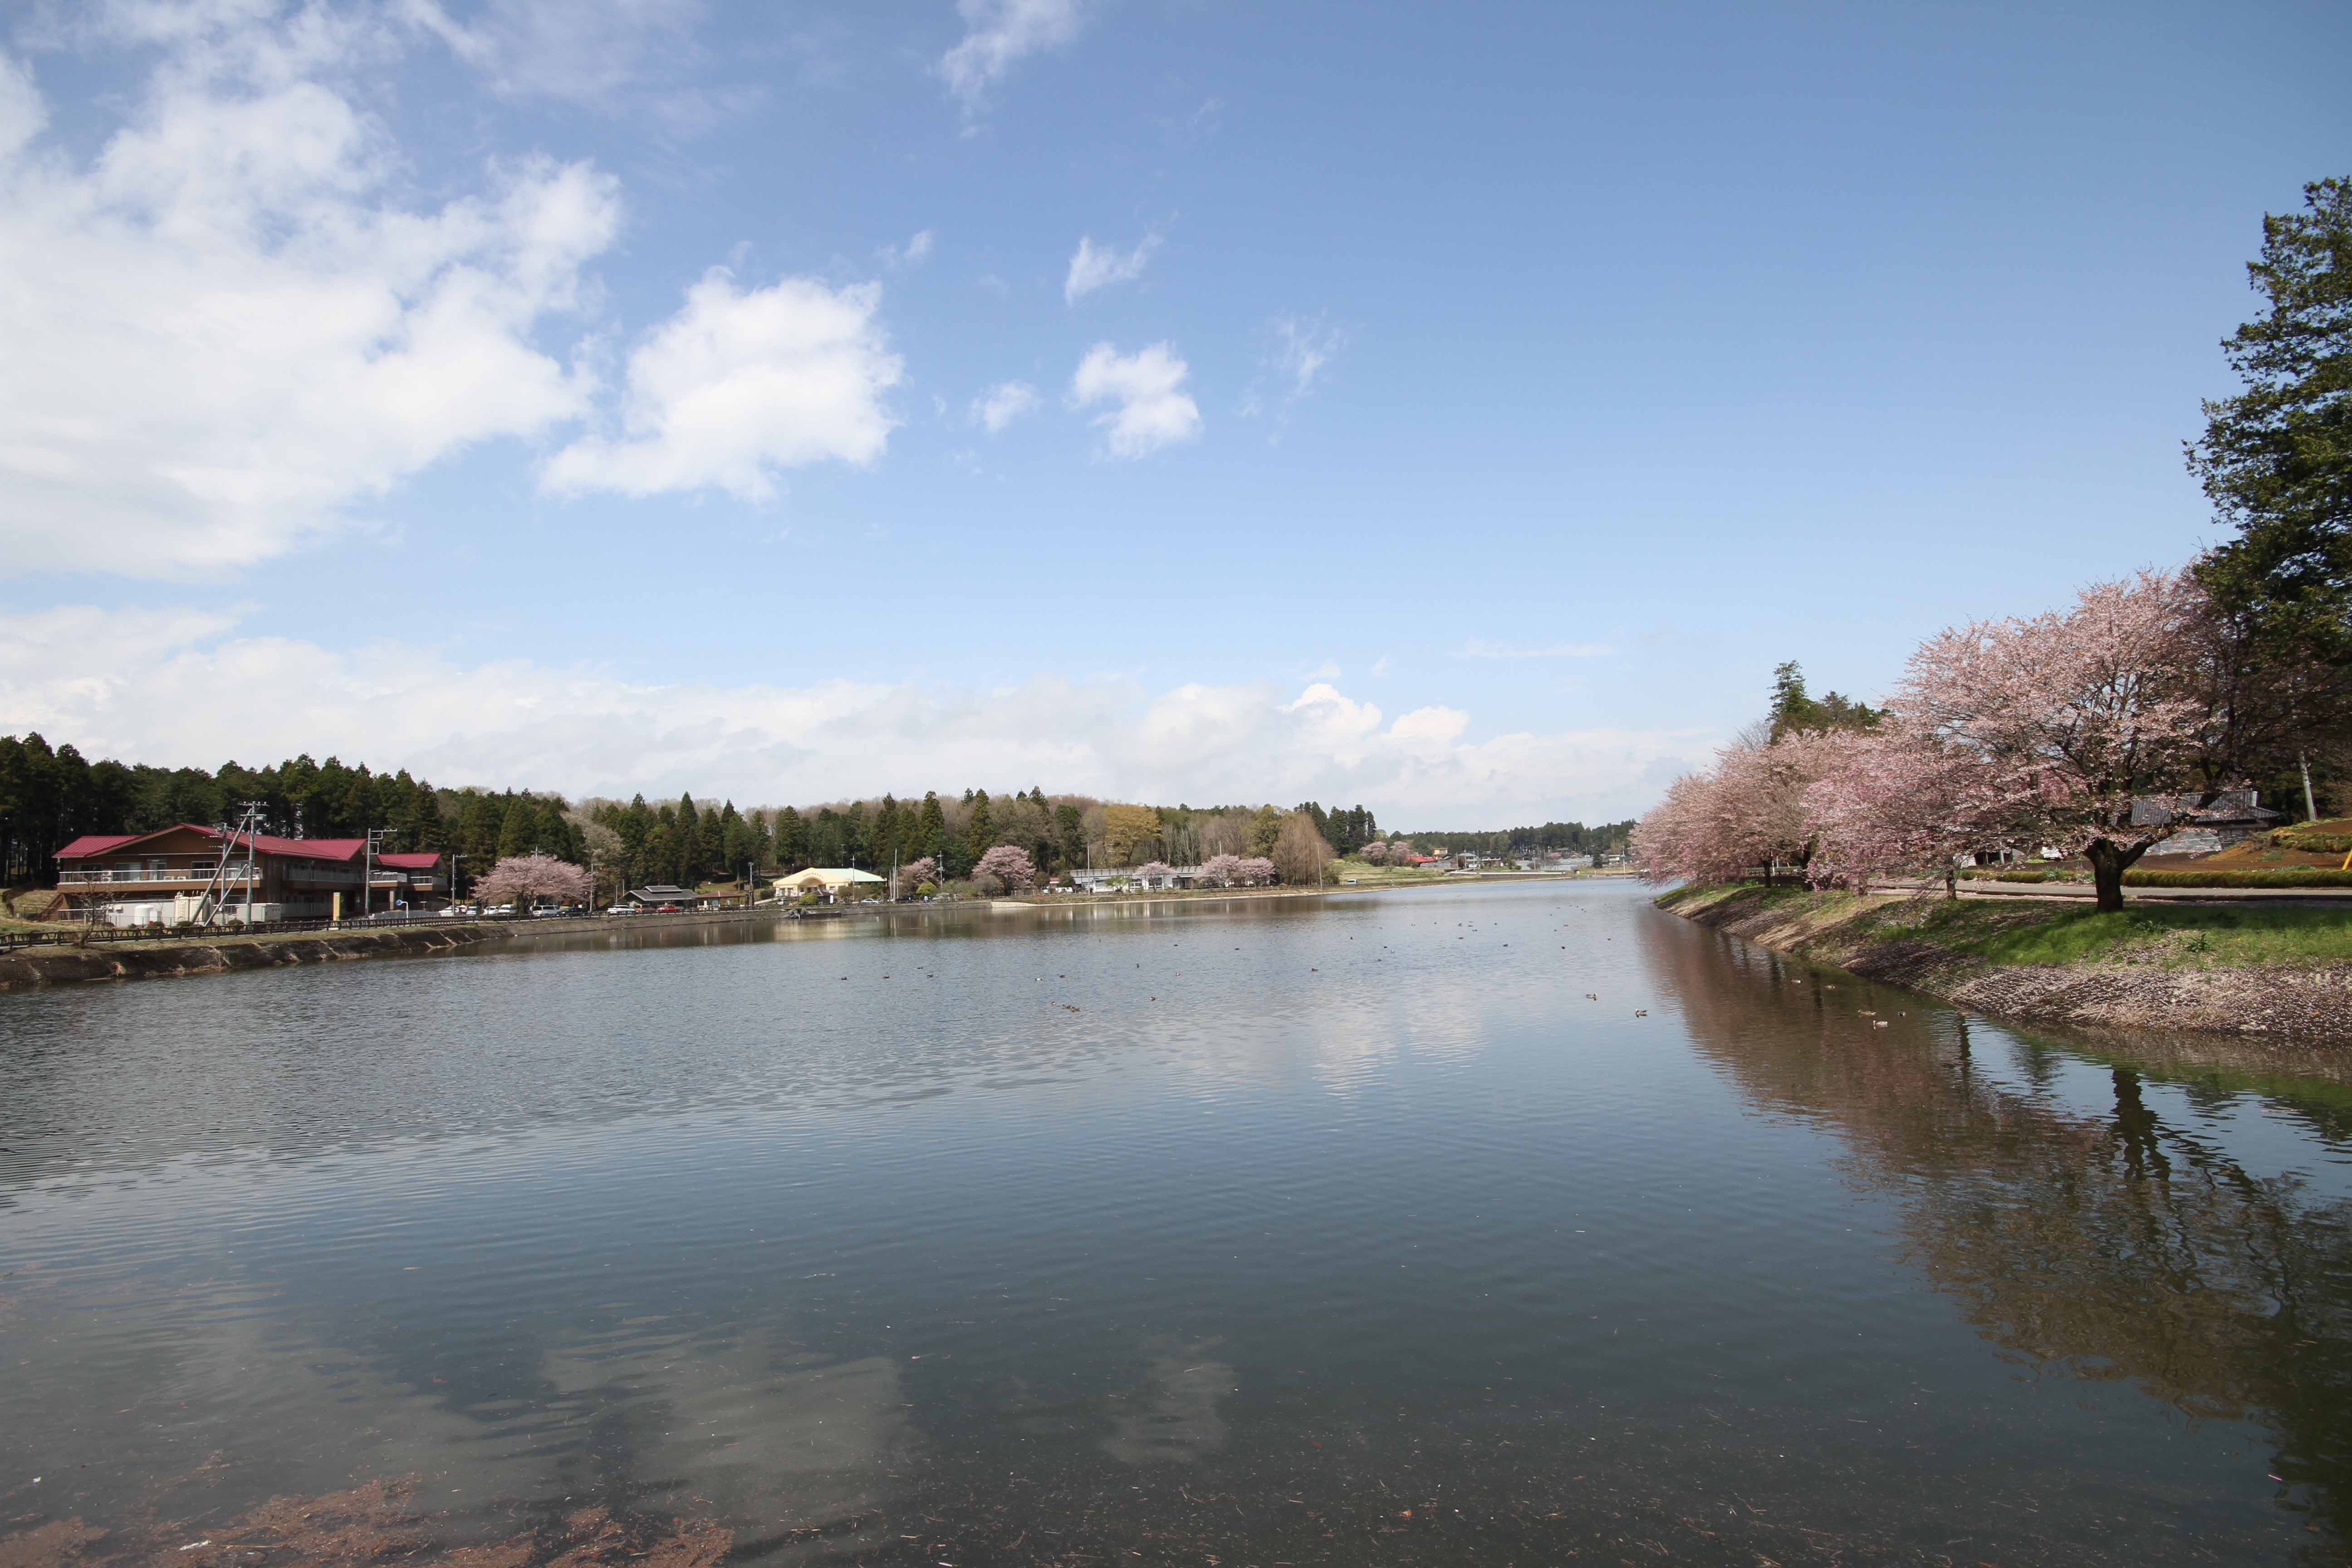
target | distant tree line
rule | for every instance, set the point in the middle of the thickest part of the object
(1566, 837)
(49, 795)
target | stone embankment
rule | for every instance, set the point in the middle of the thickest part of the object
(2154, 988)
(46, 965)
(164, 958)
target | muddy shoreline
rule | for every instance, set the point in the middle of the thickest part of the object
(2290, 1007)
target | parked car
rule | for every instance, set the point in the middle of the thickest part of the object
(622, 909)
(666, 908)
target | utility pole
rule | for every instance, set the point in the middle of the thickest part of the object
(252, 827)
(367, 874)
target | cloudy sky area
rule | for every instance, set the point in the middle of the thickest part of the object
(1454, 410)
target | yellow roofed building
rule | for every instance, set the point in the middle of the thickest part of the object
(833, 882)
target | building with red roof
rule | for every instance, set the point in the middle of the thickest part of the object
(183, 872)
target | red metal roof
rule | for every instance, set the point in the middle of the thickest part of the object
(307, 848)
(96, 844)
(295, 849)
(424, 860)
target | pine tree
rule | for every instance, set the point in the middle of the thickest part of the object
(2277, 458)
(693, 852)
(517, 828)
(931, 831)
(854, 849)
(980, 835)
(885, 833)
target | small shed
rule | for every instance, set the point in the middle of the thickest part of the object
(661, 893)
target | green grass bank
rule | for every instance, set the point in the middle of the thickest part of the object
(2209, 969)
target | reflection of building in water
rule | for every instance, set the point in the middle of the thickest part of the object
(2115, 1246)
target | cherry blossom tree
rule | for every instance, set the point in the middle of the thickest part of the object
(1221, 870)
(1255, 871)
(1152, 871)
(2072, 715)
(914, 873)
(519, 878)
(1747, 812)
(1902, 801)
(1005, 868)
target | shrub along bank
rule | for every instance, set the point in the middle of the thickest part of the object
(2215, 969)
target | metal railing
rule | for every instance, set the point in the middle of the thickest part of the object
(236, 874)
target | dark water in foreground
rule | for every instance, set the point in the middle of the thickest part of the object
(1262, 1232)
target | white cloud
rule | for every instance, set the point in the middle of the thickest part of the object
(224, 329)
(997, 33)
(1092, 268)
(1002, 403)
(563, 49)
(1481, 649)
(912, 254)
(1303, 349)
(144, 685)
(738, 385)
(1298, 349)
(1153, 410)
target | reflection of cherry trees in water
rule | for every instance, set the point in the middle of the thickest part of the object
(2115, 1247)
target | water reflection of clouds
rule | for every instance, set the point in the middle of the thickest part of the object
(223, 1406)
(1172, 1419)
(750, 1425)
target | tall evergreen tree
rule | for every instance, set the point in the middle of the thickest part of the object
(693, 853)
(931, 831)
(979, 834)
(519, 826)
(2276, 459)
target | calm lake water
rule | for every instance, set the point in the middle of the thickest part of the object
(1378, 1229)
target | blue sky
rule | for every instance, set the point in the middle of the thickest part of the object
(1457, 410)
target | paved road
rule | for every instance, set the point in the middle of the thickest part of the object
(2084, 893)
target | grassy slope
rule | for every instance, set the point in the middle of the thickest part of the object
(1369, 875)
(2218, 936)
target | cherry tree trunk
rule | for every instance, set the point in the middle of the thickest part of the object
(2107, 863)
